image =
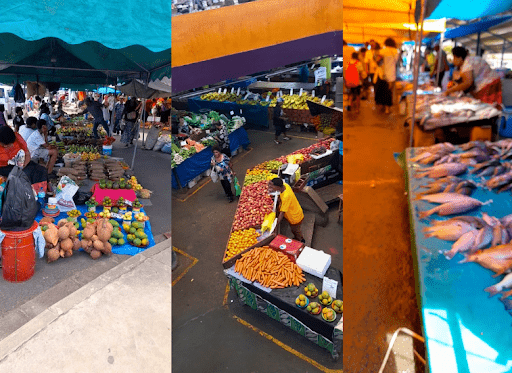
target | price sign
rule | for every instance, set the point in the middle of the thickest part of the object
(330, 286)
(183, 143)
(128, 202)
(247, 95)
(232, 90)
(115, 216)
(220, 90)
(268, 98)
(323, 99)
(238, 91)
(291, 92)
(225, 90)
(313, 93)
(232, 112)
(240, 111)
(207, 132)
(300, 92)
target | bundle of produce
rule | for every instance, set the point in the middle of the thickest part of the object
(208, 141)
(273, 165)
(144, 193)
(60, 239)
(257, 176)
(270, 268)
(254, 204)
(177, 159)
(240, 241)
(114, 170)
(136, 235)
(117, 237)
(80, 167)
(95, 238)
(193, 144)
(134, 184)
(96, 169)
(306, 152)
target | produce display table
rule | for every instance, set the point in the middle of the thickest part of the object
(465, 331)
(254, 114)
(200, 162)
(279, 304)
(125, 249)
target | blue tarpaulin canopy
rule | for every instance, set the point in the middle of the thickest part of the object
(462, 9)
(473, 28)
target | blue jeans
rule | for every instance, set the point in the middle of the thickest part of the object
(95, 128)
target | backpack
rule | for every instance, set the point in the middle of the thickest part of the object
(352, 79)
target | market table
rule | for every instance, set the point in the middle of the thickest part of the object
(465, 331)
(279, 304)
(253, 114)
(125, 249)
(194, 166)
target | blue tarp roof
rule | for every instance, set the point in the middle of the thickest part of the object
(465, 9)
(473, 28)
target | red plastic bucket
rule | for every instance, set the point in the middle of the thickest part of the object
(19, 255)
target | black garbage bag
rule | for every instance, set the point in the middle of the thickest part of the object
(20, 205)
(81, 197)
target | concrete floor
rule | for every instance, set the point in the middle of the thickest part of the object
(380, 291)
(206, 335)
(52, 282)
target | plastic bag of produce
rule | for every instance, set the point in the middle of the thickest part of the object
(158, 145)
(66, 189)
(238, 188)
(20, 204)
(152, 138)
(167, 148)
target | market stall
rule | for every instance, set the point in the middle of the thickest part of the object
(459, 286)
(281, 277)
(256, 108)
(192, 153)
(436, 112)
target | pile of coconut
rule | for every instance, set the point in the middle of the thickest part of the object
(62, 239)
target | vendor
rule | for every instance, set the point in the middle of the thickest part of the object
(13, 148)
(289, 206)
(477, 77)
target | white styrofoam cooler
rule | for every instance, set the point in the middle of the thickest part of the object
(314, 262)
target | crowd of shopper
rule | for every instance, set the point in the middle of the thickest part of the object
(377, 66)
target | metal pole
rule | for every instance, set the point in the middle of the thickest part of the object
(478, 45)
(439, 58)
(502, 54)
(419, 38)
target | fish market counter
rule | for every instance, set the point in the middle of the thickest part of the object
(279, 304)
(465, 330)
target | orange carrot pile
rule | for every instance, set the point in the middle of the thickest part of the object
(270, 268)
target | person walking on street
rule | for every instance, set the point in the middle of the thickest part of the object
(18, 119)
(130, 116)
(224, 168)
(222, 138)
(95, 108)
(279, 120)
(118, 113)
(288, 207)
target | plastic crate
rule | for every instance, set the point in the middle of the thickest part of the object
(506, 122)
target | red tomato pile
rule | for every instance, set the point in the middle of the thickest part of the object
(254, 204)
(307, 151)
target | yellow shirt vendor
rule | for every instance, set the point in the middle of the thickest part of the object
(289, 207)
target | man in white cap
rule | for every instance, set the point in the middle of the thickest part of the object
(279, 120)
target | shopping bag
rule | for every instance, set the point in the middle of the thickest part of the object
(66, 189)
(238, 189)
(214, 175)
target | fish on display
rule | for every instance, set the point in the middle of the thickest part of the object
(498, 258)
(474, 221)
(445, 198)
(495, 289)
(481, 166)
(464, 243)
(499, 181)
(483, 238)
(442, 170)
(451, 232)
(455, 207)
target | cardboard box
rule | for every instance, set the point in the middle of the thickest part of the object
(314, 262)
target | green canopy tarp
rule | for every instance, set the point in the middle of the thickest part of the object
(84, 43)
